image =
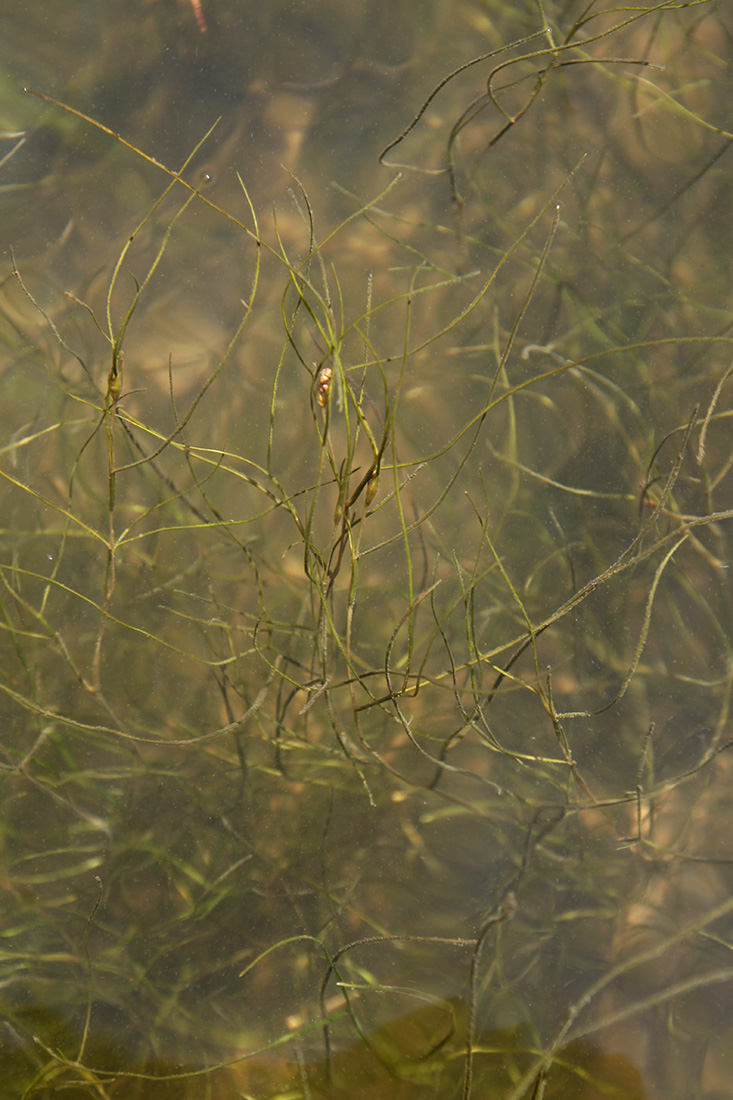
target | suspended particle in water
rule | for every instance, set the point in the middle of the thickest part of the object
(323, 385)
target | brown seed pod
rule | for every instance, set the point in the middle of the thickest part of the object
(372, 486)
(323, 385)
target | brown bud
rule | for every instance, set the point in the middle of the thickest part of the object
(323, 385)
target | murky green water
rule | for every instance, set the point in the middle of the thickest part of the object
(364, 546)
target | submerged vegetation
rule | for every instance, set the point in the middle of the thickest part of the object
(366, 642)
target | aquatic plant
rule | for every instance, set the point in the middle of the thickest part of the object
(366, 654)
